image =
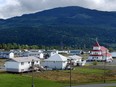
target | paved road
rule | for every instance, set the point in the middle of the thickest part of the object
(114, 62)
(96, 85)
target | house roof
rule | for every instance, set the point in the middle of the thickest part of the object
(103, 48)
(75, 57)
(57, 57)
(96, 44)
(107, 54)
(5, 52)
(24, 59)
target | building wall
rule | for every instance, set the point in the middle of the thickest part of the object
(41, 55)
(19, 66)
(96, 48)
(12, 66)
(11, 55)
(95, 58)
(54, 64)
(25, 67)
(97, 52)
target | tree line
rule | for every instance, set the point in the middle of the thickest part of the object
(8, 46)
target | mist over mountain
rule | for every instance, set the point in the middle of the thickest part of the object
(72, 26)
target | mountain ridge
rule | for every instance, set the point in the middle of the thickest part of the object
(71, 25)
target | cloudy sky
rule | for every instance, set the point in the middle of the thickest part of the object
(11, 8)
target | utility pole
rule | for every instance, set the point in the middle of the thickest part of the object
(70, 72)
(32, 63)
(104, 72)
(105, 67)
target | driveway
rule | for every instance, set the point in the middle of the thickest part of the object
(96, 85)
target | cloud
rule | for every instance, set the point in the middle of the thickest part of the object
(11, 8)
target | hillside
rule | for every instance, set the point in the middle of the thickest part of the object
(74, 26)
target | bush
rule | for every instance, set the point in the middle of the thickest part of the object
(95, 63)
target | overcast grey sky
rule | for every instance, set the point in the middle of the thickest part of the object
(11, 8)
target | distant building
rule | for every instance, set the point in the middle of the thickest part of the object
(75, 52)
(6, 55)
(100, 53)
(50, 53)
(33, 53)
(113, 54)
(76, 60)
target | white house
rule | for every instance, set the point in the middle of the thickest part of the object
(20, 64)
(56, 61)
(6, 55)
(76, 60)
(17, 52)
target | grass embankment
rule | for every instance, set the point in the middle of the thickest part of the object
(79, 75)
(16, 80)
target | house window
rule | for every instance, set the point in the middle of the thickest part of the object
(96, 53)
(22, 63)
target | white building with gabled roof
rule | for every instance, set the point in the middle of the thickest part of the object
(56, 61)
(76, 60)
(20, 64)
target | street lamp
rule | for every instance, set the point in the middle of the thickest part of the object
(32, 64)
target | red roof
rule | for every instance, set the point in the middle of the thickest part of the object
(96, 44)
(108, 54)
(103, 48)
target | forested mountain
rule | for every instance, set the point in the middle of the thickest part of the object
(70, 26)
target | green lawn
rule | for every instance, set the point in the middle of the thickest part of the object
(88, 71)
(56, 78)
(16, 80)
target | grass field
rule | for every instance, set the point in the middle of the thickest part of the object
(80, 75)
(56, 78)
(16, 80)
